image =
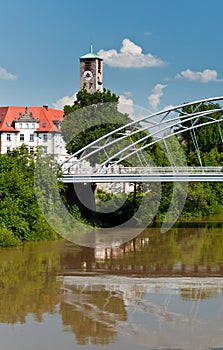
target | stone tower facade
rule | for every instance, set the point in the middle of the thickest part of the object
(91, 72)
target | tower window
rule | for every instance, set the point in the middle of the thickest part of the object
(87, 65)
(99, 66)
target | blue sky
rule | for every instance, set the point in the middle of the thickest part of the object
(156, 53)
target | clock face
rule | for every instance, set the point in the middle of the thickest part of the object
(88, 75)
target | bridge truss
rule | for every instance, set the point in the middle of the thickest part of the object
(128, 144)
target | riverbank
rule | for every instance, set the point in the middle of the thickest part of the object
(23, 220)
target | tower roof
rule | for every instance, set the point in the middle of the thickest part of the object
(91, 54)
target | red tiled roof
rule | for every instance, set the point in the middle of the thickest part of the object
(46, 116)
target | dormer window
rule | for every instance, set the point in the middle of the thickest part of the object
(8, 124)
(56, 123)
(44, 124)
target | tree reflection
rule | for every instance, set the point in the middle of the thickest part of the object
(31, 279)
(28, 282)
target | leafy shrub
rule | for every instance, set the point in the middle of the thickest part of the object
(7, 238)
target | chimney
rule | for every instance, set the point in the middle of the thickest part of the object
(46, 107)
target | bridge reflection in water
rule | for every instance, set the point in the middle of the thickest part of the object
(154, 292)
(177, 253)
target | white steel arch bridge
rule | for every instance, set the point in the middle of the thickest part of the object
(102, 160)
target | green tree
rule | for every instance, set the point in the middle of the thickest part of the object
(20, 213)
(90, 117)
(208, 136)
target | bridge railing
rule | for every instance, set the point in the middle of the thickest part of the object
(166, 170)
(83, 170)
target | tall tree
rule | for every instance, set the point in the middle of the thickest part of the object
(90, 117)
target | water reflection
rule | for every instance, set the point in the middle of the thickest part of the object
(156, 291)
(28, 283)
(92, 313)
(180, 252)
(154, 312)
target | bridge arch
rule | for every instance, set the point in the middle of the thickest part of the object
(156, 127)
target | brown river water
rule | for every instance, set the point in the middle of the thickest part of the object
(158, 291)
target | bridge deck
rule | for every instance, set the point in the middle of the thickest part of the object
(106, 178)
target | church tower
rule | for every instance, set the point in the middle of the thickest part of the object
(91, 69)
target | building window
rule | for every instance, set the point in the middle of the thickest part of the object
(87, 65)
(8, 149)
(45, 137)
(31, 137)
(20, 125)
(31, 149)
(45, 149)
(8, 137)
(57, 123)
(27, 125)
(33, 126)
(22, 137)
(99, 66)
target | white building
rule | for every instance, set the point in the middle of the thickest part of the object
(33, 126)
(40, 126)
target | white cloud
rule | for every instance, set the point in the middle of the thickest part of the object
(203, 77)
(169, 107)
(5, 75)
(127, 93)
(130, 55)
(154, 98)
(66, 100)
(126, 105)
